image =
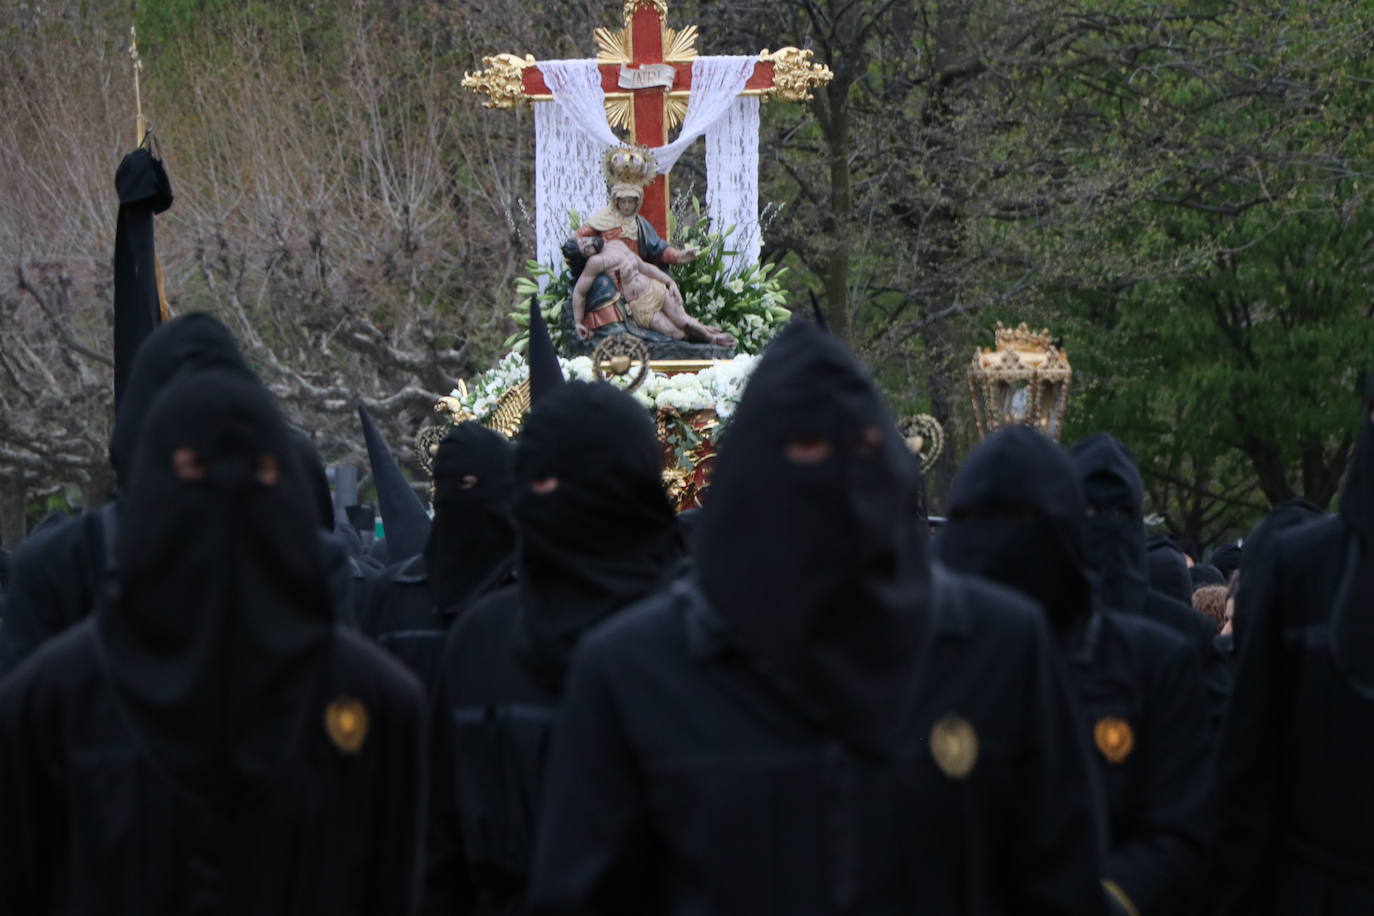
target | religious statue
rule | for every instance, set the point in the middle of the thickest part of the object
(618, 263)
(647, 293)
(621, 220)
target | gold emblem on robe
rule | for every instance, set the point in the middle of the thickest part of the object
(345, 719)
(954, 745)
(1114, 738)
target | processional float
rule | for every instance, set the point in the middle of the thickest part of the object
(603, 125)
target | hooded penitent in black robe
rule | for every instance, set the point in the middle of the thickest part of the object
(758, 738)
(210, 741)
(1166, 568)
(348, 578)
(1201, 574)
(1286, 514)
(1298, 748)
(468, 553)
(1227, 559)
(1116, 548)
(600, 537)
(57, 574)
(1018, 516)
(403, 514)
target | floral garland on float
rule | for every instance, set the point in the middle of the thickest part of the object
(691, 408)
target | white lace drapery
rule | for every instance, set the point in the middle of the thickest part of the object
(576, 89)
(716, 83)
(571, 134)
(732, 181)
(567, 177)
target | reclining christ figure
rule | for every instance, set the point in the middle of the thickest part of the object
(649, 296)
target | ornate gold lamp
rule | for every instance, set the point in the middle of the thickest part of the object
(1023, 380)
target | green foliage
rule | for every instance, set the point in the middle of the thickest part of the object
(557, 291)
(748, 305)
(164, 24)
(1216, 296)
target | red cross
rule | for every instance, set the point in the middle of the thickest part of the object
(647, 21)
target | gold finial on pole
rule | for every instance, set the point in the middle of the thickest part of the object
(142, 123)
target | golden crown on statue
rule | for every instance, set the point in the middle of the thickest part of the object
(629, 165)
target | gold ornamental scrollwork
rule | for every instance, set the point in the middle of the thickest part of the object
(510, 410)
(502, 80)
(633, 6)
(794, 74)
(617, 355)
(677, 483)
(924, 437)
(504, 417)
(427, 445)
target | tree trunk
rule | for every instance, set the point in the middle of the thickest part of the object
(838, 224)
(942, 390)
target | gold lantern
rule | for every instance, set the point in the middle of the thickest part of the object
(1023, 380)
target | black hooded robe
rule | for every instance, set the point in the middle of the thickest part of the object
(603, 538)
(468, 552)
(682, 783)
(1117, 545)
(57, 573)
(402, 616)
(1018, 514)
(1158, 805)
(1298, 747)
(210, 741)
(349, 579)
(1168, 570)
(758, 739)
(1285, 515)
(92, 824)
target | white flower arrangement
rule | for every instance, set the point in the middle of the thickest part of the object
(717, 387)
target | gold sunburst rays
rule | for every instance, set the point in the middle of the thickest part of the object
(674, 110)
(620, 111)
(680, 44)
(613, 45)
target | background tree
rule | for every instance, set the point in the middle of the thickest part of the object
(1177, 187)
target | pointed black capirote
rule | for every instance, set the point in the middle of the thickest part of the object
(403, 515)
(545, 372)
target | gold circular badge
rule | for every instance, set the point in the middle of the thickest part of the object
(954, 745)
(1114, 738)
(345, 719)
